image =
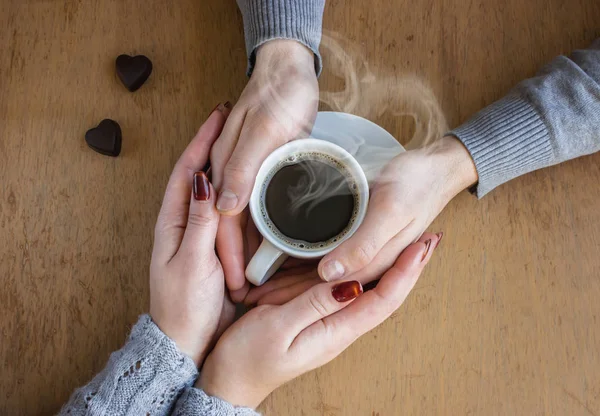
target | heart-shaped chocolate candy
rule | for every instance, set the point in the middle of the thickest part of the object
(106, 138)
(133, 71)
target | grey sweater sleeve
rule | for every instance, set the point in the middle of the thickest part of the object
(300, 20)
(544, 120)
(147, 377)
(195, 402)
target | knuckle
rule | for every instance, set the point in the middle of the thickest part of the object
(329, 328)
(317, 304)
(388, 207)
(218, 156)
(276, 134)
(216, 152)
(363, 254)
(386, 203)
(237, 170)
(169, 220)
(266, 123)
(210, 265)
(389, 306)
(201, 220)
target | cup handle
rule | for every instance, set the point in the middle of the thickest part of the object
(264, 263)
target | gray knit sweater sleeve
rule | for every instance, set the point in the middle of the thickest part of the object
(300, 20)
(145, 377)
(545, 120)
(195, 402)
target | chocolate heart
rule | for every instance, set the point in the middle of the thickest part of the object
(106, 138)
(133, 71)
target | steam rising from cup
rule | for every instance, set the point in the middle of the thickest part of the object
(371, 94)
(317, 184)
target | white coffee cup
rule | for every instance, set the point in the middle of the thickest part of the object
(274, 250)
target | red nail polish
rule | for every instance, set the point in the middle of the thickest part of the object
(347, 291)
(440, 235)
(222, 107)
(427, 247)
(201, 187)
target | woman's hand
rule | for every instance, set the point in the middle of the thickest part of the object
(187, 294)
(271, 345)
(279, 104)
(410, 192)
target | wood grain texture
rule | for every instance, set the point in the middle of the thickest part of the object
(504, 321)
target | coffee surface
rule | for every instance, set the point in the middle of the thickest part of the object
(310, 201)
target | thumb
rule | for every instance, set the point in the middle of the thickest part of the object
(317, 303)
(380, 225)
(338, 331)
(203, 219)
(258, 139)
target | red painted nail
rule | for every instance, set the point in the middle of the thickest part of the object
(222, 107)
(440, 235)
(427, 247)
(201, 187)
(347, 291)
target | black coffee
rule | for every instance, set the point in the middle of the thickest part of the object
(310, 200)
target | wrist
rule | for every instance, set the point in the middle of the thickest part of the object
(456, 160)
(279, 53)
(196, 348)
(226, 388)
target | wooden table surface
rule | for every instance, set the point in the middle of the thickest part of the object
(504, 321)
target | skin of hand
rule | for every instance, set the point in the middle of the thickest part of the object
(273, 344)
(279, 104)
(188, 300)
(409, 194)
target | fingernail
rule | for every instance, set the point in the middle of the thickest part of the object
(227, 200)
(222, 107)
(333, 270)
(427, 246)
(440, 235)
(347, 291)
(201, 187)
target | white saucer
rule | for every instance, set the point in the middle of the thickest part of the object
(371, 145)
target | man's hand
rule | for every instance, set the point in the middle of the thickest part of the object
(409, 194)
(278, 105)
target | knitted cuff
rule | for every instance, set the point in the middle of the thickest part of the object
(146, 339)
(506, 139)
(195, 402)
(146, 376)
(300, 20)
